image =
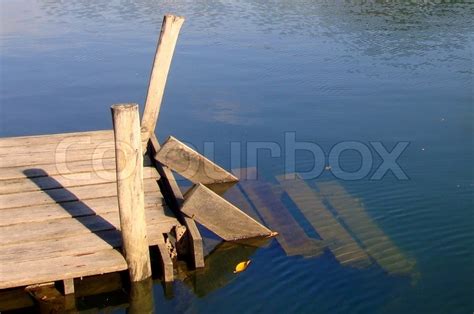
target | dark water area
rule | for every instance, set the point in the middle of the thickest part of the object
(260, 72)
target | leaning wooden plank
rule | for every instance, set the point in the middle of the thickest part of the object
(175, 200)
(59, 268)
(273, 212)
(159, 73)
(39, 140)
(376, 242)
(95, 206)
(344, 247)
(48, 182)
(220, 216)
(190, 164)
(59, 228)
(74, 193)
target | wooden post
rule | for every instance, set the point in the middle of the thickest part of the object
(129, 160)
(159, 73)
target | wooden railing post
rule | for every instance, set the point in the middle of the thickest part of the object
(129, 160)
(159, 73)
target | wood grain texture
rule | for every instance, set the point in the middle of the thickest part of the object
(220, 216)
(130, 190)
(190, 164)
(159, 74)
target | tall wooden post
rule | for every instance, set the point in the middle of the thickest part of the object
(159, 73)
(129, 160)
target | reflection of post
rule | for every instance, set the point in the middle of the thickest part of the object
(141, 297)
(129, 161)
(219, 267)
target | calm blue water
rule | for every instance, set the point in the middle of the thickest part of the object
(243, 71)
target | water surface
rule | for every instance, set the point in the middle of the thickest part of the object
(244, 71)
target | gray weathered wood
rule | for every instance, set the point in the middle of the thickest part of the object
(41, 140)
(220, 216)
(192, 232)
(159, 74)
(190, 164)
(95, 206)
(58, 268)
(65, 195)
(344, 247)
(166, 262)
(128, 156)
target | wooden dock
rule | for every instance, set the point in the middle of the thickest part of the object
(80, 204)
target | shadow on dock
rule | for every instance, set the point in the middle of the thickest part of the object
(72, 204)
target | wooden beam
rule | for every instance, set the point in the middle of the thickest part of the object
(190, 164)
(68, 286)
(220, 216)
(159, 73)
(175, 198)
(128, 156)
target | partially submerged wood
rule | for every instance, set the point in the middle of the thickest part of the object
(276, 216)
(190, 164)
(220, 216)
(377, 244)
(343, 246)
(159, 74)
(128, 152)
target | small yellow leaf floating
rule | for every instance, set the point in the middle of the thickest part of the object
(241, 266)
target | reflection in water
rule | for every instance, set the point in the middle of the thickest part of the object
(219, 266)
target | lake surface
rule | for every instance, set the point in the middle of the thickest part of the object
(252, 71)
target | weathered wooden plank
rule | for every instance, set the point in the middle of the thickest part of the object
(344, 247)
(58, 228)
(37, 213)
(40, 140)
(47, 182)
(81, 243)
(60, 268)
(276, 216)
(52, 157)
(68, 286)
(159, 73)
(190, 164)
(176, 199)
(220, 216)
(379, 246)
(235, 196)
(166, 262)
(74, 193)
(68, 170)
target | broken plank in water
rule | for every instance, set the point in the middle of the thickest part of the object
(190, 164)
(344, 247)
(220, 216)
(376, 242)
(291, 236)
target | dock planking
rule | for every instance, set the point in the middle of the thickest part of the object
(342, 245)
(59, 218)
(379, 246)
